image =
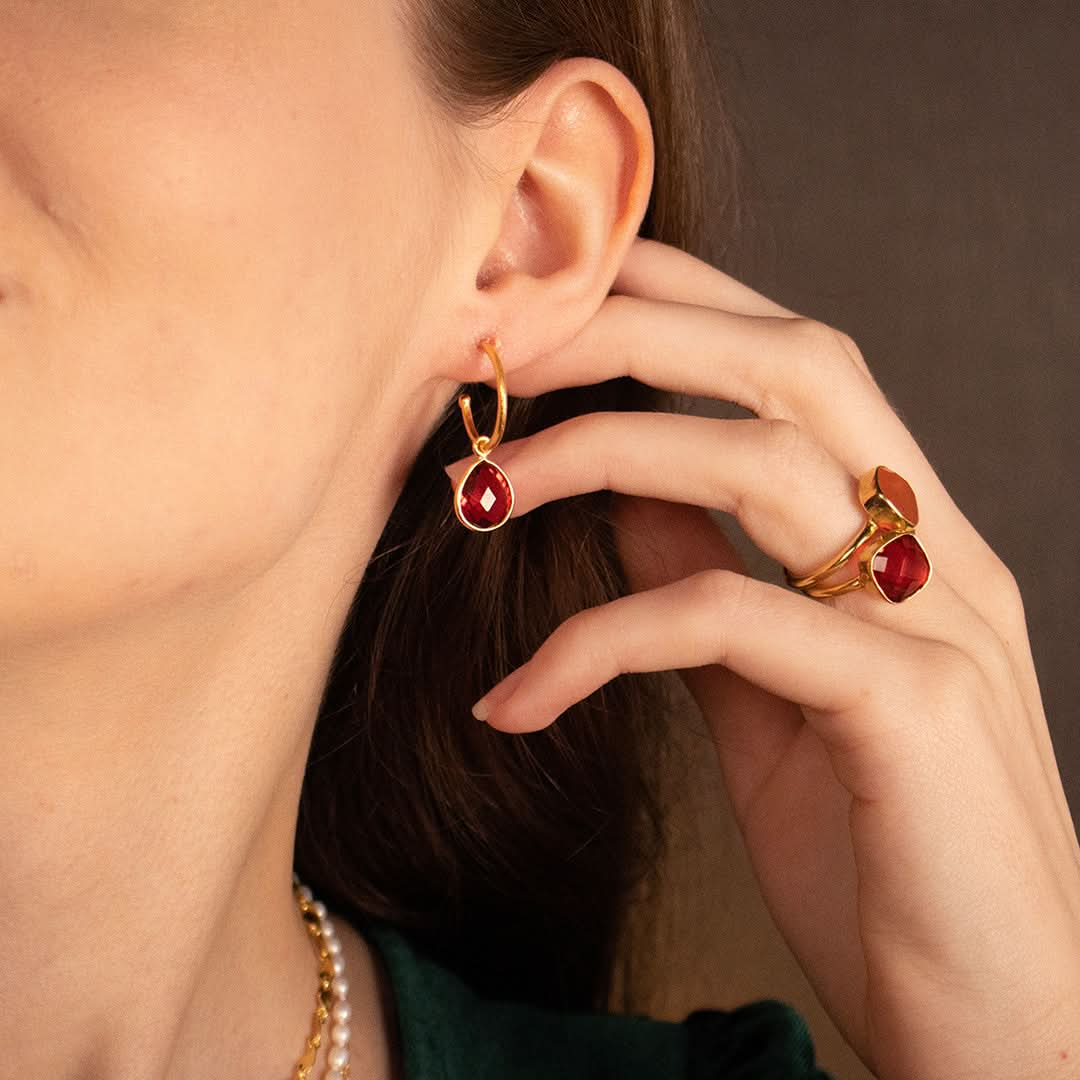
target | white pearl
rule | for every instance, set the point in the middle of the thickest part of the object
(338, 1057)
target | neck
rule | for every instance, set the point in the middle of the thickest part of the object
(152, 776)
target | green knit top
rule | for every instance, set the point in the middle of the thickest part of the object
(448, 1032)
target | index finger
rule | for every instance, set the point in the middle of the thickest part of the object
(663, 272)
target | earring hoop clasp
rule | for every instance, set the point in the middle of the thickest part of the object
(484, 444)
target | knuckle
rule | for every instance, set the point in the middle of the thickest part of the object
(791, 465)
(719, 588)
(818, 344)
(816, 338)
(954, 680)
(848, 344)
(784, 443)
(581, 628)
(1006, 588)
(772, 401)
(583, 638)
(562, 437)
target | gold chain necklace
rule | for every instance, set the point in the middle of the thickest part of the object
(331, 997)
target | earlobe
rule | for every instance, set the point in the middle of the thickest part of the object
(580, 152)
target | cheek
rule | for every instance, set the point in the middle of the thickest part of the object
(228, 260)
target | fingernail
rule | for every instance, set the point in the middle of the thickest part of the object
(498, 695)
(455, 469)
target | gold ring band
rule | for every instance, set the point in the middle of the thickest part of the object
(890, 556)
(811, 580)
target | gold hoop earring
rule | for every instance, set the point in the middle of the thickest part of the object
(484, 496)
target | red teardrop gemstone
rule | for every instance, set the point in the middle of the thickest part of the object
(486, 497)
(900, 567)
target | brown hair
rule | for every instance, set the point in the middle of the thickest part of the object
(510, 858)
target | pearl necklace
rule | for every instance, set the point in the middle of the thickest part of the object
(332, 986)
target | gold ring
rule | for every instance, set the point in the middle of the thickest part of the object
(890, 555)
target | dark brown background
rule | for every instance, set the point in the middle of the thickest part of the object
(915, 182)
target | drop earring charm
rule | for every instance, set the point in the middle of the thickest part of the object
(484, 496)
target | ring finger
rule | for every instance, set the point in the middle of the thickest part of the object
(793, 499)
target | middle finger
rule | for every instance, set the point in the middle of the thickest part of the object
(779, 368)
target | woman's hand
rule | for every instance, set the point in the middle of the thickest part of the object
(889, 765)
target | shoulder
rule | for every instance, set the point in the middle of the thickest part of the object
(448, 1032)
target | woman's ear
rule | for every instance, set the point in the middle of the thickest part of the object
(555, 216)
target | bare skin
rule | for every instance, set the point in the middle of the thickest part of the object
(244, 265)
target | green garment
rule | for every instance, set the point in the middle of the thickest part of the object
(448, 1032)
